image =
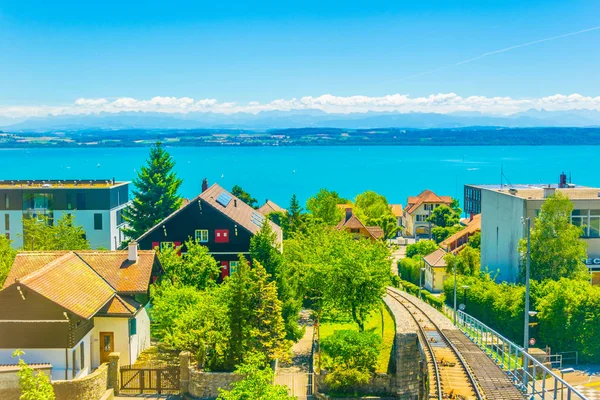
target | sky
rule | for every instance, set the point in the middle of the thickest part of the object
(506, 56)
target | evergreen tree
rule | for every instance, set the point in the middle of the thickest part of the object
(156, 193)
(264, 250)
(240, 309)
(244, 196)
(294, 216)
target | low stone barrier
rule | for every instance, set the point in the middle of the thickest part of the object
(90, 387)
(205, 385)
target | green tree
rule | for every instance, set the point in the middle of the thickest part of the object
(444, 216)
(264, 249)
(195, 268)
(34, 386)
(244, 196)
(155, 194)
(294, 217)
(455, 206)
(557, 249)
(40, 234)
(442, 233)
(466, 262)
(475, 241)
(257, 382)
(323, 206)
(7, 256)
(373, 209)
(410, 268)
(422, 247)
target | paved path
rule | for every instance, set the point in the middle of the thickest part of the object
(295, 374)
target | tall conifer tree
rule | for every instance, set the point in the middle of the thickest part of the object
(156, 193)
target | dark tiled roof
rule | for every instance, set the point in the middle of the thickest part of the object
(236, 210)
(436, 259)
(376, 231)
(120, 306)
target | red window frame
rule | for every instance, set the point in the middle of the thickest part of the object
(224, 269)
(221, 235)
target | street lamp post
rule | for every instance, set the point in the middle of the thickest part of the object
(421, 273)
(527, 221)
(454, 269)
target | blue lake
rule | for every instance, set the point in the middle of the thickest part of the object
(278, 172)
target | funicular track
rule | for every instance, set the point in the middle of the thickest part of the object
(451, 376)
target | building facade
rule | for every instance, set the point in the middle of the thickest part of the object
(435, 271)
(216, 219)
(72, 309)
(96, 205)
(417, 210)
(503, 210)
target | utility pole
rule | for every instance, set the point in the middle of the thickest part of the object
(454, 268)
(527, 272)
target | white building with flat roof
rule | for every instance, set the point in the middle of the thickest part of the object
(504, 207)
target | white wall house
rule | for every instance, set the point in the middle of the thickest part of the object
(71, 310)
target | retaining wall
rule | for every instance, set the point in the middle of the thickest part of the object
(90, 387)
(205, 385)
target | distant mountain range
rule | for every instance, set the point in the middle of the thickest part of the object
(301, 119)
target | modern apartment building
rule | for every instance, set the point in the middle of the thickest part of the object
(503, 208)
(96, 205)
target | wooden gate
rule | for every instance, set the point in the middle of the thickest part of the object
(149, 380)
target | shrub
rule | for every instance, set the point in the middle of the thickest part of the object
(422, 247)
(351, 358)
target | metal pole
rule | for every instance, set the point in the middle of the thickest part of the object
(526, 330)
(454, 295)
(527, 265)
(420, 280)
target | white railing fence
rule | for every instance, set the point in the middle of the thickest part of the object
(534, 378)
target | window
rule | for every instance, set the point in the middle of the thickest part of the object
(354, 230)
(69, 200)
(221, 236)
(421, 218)
(37, 201)
(233, 266)
(202, 235)
(6, 222)
(97, 222)
(132, 326)
(81, 201)
(6, 202)
(166, 245)
(8, 235)
(82, 355)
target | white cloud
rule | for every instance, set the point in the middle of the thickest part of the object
(404, 103)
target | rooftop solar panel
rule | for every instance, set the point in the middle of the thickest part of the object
(224, 199)
(257, 219)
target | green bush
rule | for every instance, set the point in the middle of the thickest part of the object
(351, 358)
(409, 269)
(568, 312)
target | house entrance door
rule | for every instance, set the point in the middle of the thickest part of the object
(107, 345)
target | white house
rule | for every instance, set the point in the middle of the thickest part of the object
(71, 309)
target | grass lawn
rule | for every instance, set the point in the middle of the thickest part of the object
(373, 325)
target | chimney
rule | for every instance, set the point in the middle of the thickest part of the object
(204, 185)
(348, 213)
(133, 251)
(563, 181)
(235, 202)
(549, 191)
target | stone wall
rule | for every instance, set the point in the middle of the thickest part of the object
(205, 385)
(408, 366)
(9, 381)
(90, 387)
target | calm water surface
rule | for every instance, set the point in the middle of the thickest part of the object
(278, 172)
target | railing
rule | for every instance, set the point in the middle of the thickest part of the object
(570, 357)
(531, 376)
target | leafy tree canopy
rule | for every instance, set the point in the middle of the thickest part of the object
(7, 256)
(422, 248)
(466, 262)
(444, 216)
(244, 196)
(155, 195)
(196, 268)
(475, 240)
(257, 383)
(40, 234)
(557, 249)
(323, 206)
(33, 385)
(373, 209)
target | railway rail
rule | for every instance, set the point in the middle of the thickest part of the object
(452, 376)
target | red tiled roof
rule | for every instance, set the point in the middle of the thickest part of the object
(354, 223)
(120, 306)
(397, 209)
(472, 226)
(376, 231)
(113, 266)
(270, 207)
(69, 282)
(426, 196)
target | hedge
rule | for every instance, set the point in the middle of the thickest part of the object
(426, 296)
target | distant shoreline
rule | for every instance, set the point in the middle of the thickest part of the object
(447, 137)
